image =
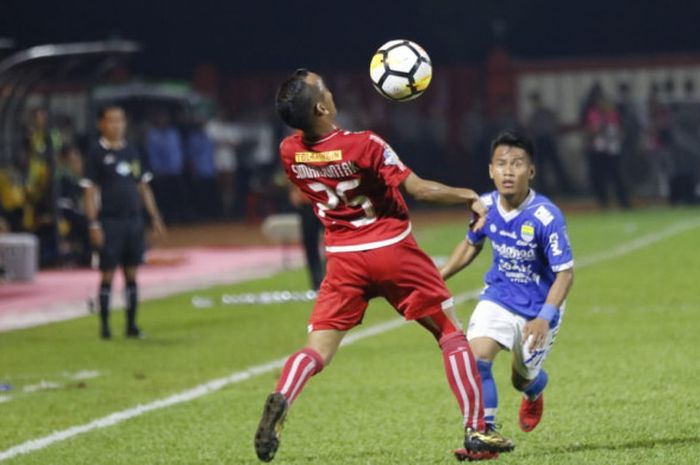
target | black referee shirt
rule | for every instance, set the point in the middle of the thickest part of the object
(117, 172)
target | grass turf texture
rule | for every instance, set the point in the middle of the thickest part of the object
(623, 374)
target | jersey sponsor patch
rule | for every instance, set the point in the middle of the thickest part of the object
(318, 157)
(527, 232)
(391, 158)
(123, 168)
(544, 215)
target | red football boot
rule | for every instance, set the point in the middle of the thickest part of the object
(531, 413)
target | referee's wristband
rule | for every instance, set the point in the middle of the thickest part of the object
(95, 225)
(549, 313)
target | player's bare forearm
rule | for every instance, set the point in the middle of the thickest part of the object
(464, 253)
(560, 288)
(149, 202)
(91, 209)
(431, 191)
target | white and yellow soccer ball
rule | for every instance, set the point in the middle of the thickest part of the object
(401, 70)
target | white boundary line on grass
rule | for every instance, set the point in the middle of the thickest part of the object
(217, 384)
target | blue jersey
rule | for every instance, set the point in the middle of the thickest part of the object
(530, 245)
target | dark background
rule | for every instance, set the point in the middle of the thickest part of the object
(252, 36)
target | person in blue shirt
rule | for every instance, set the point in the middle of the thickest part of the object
(521, 306)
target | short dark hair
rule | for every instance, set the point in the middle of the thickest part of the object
(296, 99)
(105, 108)
(514, 139)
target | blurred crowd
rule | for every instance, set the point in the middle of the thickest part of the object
(224, 166)
(631, 148)
(204, 169)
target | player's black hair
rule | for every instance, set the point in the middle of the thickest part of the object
(514, 139)
(296, 99)
(103, 109)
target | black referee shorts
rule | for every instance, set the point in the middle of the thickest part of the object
(124, 243)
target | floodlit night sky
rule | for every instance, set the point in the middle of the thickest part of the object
(250, 36)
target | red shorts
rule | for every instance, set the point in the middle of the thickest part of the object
(401, 273)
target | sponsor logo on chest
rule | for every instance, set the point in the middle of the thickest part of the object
(318, 157)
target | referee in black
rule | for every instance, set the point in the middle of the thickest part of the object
(119, 177)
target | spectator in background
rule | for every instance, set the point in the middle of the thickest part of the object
(166, 157)
(658, 140)
(311, 230)
(226, 137)
(261, 159)
(543, 124)
(685, 148)
(73, 226)
(200, 157)
(631, 121)
(42, 146)
(13, 199)
(44, 142)
(604, 134)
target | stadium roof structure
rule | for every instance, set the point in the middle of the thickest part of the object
(178, 92)
(81, 64)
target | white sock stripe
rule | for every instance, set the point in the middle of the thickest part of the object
(292, 373)
(475, 387)
(460, 386)
(304, 375)
(490, 412)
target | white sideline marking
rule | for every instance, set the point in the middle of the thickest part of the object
(185, 396)
(216, 384)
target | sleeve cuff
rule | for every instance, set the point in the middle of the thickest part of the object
(147, 177)
(563, 266)
(85, 183)
(401, 177)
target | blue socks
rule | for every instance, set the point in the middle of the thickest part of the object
(535, 388)
(488, 390)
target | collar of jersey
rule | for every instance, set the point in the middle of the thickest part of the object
(324, 138)
(508, 216)
(107, 146)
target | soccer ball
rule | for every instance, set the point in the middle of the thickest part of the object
(401, 70)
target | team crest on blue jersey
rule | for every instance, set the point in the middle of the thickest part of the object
(493, 228)
(527, 232)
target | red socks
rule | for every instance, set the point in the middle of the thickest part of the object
(464, 378)
(299, 367)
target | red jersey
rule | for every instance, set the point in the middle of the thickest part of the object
(352, 180)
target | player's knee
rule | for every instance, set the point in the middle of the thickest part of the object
(440, 325)
(107, 276)
(484, 349)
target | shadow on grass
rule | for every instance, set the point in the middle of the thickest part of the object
(640, 444)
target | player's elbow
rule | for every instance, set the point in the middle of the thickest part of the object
(567, 276)
(420, 190)
(415, 187)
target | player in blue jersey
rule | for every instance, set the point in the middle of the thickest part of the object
(522, 304)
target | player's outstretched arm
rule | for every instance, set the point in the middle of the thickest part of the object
(461, 257)
(435, 192)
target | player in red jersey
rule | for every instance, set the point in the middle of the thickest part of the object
(353, 181)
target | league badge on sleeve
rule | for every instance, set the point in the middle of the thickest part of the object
(527, 232)
(391, 158)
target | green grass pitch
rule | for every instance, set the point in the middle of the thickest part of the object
(623, 387)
